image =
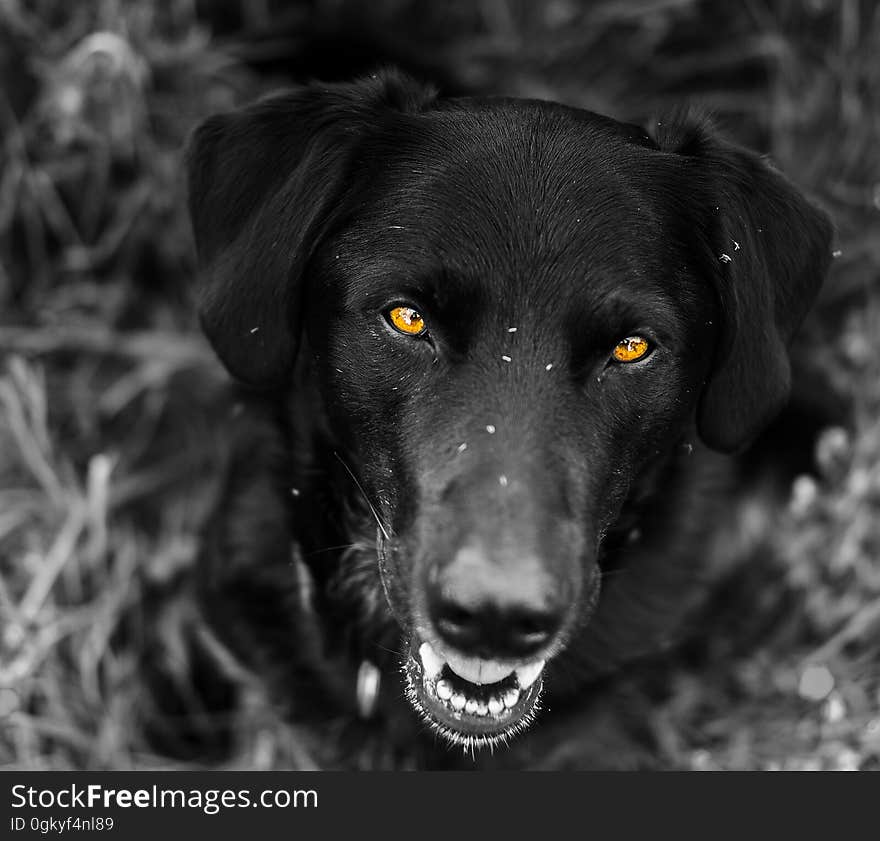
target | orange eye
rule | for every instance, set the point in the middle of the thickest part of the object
(631, 349)
(406, 320)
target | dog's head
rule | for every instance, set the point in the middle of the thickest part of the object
(511, 309)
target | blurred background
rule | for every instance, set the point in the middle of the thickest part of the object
(109, 396)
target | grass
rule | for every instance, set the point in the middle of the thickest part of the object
(108, 394)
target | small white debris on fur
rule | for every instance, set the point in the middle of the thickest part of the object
(254, 329)
(502, 480)
(836, 253)
(735, 245)
(490, 428)
(396, 228)
(724, 258)
(688, 448)
(294, 491)
(506, 358)
(462, 446)
(816, 683)
(339, 370)
(548, 366)
(511, 329)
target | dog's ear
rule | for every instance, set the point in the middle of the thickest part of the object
(768, 252)
(263, 182)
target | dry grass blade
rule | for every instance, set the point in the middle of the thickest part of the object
(175, 349)
(25, 416)
(49, 568)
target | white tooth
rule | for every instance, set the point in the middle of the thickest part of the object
(474, 670)
(431, 661)
(471, 707)
(496, 704)
(458, 701)
(444, 690)
(511, 697)
(482, 708)
(527, 675)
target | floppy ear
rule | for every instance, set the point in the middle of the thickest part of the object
(770, 251)
(263, 182)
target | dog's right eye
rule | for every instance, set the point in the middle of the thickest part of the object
(406, 320)
(631, 349)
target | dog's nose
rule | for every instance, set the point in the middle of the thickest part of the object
(484, 608)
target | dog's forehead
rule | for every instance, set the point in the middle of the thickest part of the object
(513, 188)
(509, 203)
(526, 165)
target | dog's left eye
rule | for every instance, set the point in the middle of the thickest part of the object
(631, 349)
(406, 320)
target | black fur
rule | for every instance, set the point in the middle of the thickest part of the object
(315, 211)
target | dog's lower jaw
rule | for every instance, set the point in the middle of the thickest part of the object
(509, 711)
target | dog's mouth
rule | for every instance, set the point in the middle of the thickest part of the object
(472, 702)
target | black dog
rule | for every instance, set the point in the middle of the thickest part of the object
(495, 349)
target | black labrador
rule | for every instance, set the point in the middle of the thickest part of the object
(494, 351)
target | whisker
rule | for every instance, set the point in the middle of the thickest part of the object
(364, 494)
(331, 549)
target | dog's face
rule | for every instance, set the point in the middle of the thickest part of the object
(511, 311)
(505, 330)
